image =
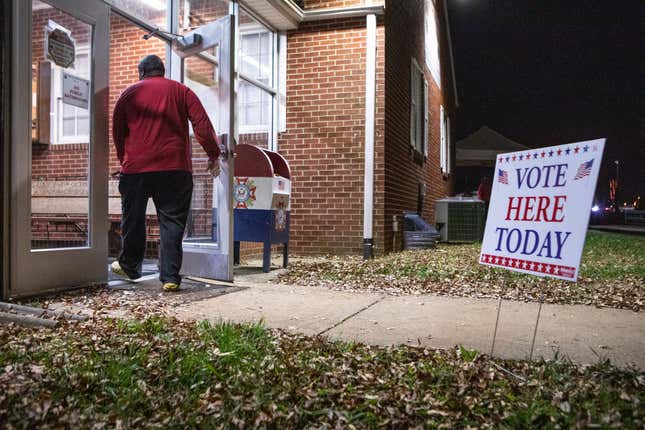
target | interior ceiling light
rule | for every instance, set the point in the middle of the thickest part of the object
(156, 4)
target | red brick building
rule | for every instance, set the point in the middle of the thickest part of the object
(315, 77)
(325, 133)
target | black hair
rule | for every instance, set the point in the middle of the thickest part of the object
(151, 65)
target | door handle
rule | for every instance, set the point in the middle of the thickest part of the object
(223, 147)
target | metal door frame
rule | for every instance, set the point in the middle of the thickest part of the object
(39, 271)
(5, 139)
(215, 260)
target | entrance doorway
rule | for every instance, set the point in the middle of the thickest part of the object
(60, 58)
(62, 203)
(210, 73)
(63, 206)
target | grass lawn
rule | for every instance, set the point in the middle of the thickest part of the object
(612, 274)
(161, 373)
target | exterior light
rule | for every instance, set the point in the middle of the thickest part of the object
(156, 4)
(594, 208)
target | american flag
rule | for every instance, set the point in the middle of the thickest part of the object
(502, 176)
(584, 170)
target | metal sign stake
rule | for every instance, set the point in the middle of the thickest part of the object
(537, 321)
(499, 308)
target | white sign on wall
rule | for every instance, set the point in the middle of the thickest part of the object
(539, 209)
(76, 91)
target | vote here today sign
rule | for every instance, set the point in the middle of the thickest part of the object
(539, 209)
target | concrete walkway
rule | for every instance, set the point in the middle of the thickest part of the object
(583, 333)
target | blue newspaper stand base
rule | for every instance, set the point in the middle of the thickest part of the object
(259, 226)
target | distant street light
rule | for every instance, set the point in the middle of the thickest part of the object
(617, 164)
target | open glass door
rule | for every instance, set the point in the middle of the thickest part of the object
(210, 73)
(59, 147)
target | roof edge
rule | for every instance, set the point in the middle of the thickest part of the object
(342, 12)
(452, 62)
(289, 9)
(295, 15)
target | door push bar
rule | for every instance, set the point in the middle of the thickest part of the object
(223, 147)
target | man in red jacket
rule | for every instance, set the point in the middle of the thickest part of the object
(150, 131)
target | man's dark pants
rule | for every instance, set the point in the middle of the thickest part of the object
(171, 193)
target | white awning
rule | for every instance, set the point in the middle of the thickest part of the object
(481, 147)
(280, 14)
(286, 15)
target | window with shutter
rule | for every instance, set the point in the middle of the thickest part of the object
(425, 118)
(418, 109)
(448, 144)
(431, 41)
(444, 125)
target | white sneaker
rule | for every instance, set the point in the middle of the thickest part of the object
(118, 270)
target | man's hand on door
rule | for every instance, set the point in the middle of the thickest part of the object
(213, 167)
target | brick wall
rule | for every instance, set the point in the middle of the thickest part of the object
(404, 24)
(324, 141)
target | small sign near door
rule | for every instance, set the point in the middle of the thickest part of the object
(60, 47)
(76, 91)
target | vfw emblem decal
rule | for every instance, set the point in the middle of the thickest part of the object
(244, 193)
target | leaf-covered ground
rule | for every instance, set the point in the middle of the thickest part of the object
(161, 373)
(612, 274)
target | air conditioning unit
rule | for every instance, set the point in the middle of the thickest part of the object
(460, 219)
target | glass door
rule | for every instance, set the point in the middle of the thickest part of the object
(210, 73)
(59, 153)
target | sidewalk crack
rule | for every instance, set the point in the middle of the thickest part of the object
(364, 308)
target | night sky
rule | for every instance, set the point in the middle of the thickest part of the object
(551, 72)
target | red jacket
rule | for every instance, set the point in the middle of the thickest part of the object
(484, 190)
(150, 127)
